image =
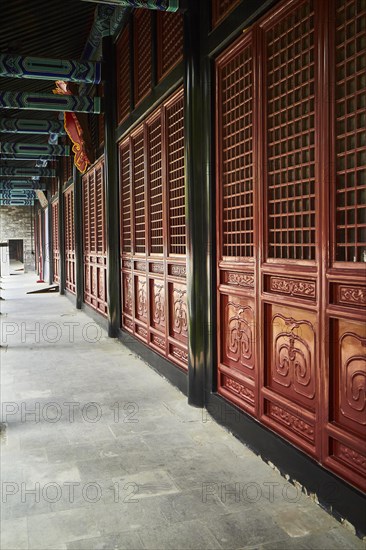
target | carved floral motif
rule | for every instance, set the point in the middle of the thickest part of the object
(140, 266)
(159, 305)
(142, 332)
(239, 389)
(292, 421)
(293, 287)
(180, 312)
(157, 268)
(178, 270)
(349, 455)
(239, 343)
(128, 293)
(353, 377)
(352, 295)
(158, 341)
(142, 299)
(292, 360)
(240, 279)
(180, 354)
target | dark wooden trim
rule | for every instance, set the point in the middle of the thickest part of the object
(111, 211)
(50, 237)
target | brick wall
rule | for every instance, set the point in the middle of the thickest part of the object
(17, 222)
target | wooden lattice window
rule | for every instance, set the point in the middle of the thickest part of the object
(55, 243)
(125, 180)
(175, 175)
(170, 42)
(138, 167)
(67, 168)
(142, 52)
(235, 80)
(221, 8)
(92, 217)
(350, 113)
(123, 75)
(291, 135)
(99, 205)
(155, 196)
(86, 213)
(69, 221)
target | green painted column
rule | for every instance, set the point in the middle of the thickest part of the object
(111, 189)
(196, 210)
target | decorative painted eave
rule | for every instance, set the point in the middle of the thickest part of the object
(26, 172)
(49, 102)
(162, 5)
(34, 149)
(16, 66)
(11, 184)
(31, 126)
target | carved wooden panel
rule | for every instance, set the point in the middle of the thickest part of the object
(95, 288)
(69, 239)
(152, 207)
(55, 242)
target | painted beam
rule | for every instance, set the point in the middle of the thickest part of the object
(23, 158)
(16, 202)
(29, 149)
(31, 126)
(50, 102)
(18, 194)
(25, 172)
(10, 185)
(162, 5)
(41, 68)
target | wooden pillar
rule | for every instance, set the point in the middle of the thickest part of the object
(78, 228)
(111, 188)
(196, 210)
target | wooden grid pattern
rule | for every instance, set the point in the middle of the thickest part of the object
(350, 112)
(154, 140)
(291, 136)
(235, 78)
(126, 215)
(142, 52)
(138, 167)
(221, 8)
(69, 239)
(95, 289)
(170, 42)
(67, 168)
(55, 242)
(123, 75)
(153, 277)
(175, 174)
(291, 322)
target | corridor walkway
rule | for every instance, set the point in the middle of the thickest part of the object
(100, 452)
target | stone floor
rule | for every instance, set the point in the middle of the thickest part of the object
(100, 452)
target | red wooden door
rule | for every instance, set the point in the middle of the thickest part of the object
(55, 242)
(291, 218)
(69, 239)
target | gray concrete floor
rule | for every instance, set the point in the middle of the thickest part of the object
(100, 452)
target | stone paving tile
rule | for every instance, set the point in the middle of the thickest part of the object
(119, 541)
(174, 479)
(190, 535)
